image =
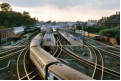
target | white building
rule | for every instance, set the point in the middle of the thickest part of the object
(91, 23)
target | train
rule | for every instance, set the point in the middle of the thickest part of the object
(49, 67)
(55, 33)
(48, 41)
(17, 32)
(20, 31)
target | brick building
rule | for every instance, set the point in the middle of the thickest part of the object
(6, 33)
(111, 21)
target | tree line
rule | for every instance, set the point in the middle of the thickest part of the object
(9, 18)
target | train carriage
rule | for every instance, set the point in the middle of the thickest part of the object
(49, 67)
(55, 32)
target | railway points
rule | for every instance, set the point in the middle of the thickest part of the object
(36, 62)
(104, 68)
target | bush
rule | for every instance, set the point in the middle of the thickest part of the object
(2, 27)
(93, 29)
(113, 32)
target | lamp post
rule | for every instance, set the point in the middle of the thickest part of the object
(83, 35)
(0, 38)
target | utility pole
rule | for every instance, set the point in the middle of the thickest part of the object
(82, 36)
(0, 38)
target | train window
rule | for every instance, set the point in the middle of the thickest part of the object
(55, 78)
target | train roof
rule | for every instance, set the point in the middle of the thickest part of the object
(43, 56)
(36, 41)
(68, 73)
(49, 39)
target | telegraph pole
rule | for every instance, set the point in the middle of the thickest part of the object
(0, 38)
(83, 36)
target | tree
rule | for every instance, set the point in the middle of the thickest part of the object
(54, 22)
(26, 14)
(11, 18)
(48, 21)
(103, 26)
(5, 7)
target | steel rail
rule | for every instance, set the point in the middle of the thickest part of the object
(99, 67)
(18, 63)
(95, 63)
(104, 44)
(9, 50)
(24, 62)
(5, 56)
(60, 51)
(27, 74)
(102, 62)
(56, 47)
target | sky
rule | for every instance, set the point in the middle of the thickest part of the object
(66, 10)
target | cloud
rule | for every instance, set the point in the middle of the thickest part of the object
(100, 4)
(76, 13)
(66, 10)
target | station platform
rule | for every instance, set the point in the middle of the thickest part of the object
(7, 47)
(48, 40)
(74, 41)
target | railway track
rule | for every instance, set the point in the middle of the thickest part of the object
(9, 55)
(103, 44)
(96, 65)
(113, 54)
(98, 60)
(105, 56)
(24, 63)
(22, 71)
(9, 51)
(105, 48)
(100, 43)
(108, 49)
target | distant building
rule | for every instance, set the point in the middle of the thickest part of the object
(102, 21)
(71, 25)
(92, 23)
(6, 33)
(112, 21)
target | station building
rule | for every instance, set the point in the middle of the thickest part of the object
(6, 33)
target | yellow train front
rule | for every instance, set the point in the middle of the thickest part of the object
(55, 33)
(17, 35)
(18, 32)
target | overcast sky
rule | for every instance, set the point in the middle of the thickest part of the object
(66, 10)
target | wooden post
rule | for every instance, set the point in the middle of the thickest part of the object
(0, 38)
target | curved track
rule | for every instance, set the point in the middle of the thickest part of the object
(98, 65)
(22, 72)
